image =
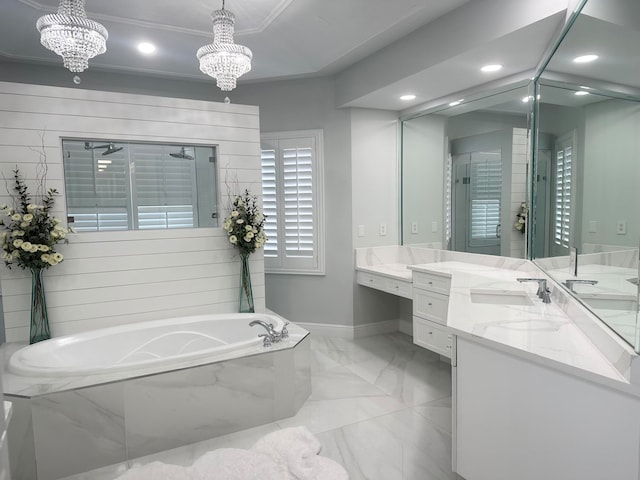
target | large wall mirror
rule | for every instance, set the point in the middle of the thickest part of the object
(464, 173)
(586, 226)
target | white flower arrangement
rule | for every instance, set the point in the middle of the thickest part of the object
(521, 218)
(31, 232)
(245, 224)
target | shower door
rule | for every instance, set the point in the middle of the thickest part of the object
(477, 194)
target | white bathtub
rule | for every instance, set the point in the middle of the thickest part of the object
(147, 346)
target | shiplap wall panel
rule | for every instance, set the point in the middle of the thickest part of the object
(114, 278)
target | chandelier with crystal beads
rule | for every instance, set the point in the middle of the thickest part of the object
(70, 34)
(224, 60)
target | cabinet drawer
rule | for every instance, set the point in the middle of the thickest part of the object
(432, 337)
(373, 281)
(430, 305)
(432, 281)
(398, 287)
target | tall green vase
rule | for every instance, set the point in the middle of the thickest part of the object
(246, 293)
(39, 328)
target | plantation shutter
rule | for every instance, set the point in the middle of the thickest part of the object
(96, 188)
(562, 213)
(269, 199)
(291, 176)
(486, 192)
(164, 188)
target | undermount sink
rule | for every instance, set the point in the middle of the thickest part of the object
(500, 297)
(610, 301)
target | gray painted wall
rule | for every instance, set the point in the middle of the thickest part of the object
(301, 105)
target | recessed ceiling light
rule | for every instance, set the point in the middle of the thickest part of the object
(457, 102)
(581, 92)
(585, 58)
(146, 48)
(406, 98)
(491, 68)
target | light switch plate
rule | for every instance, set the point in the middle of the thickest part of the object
(361, 230)
(434, 227)
(593, 226)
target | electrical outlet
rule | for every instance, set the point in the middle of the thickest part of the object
(414, 227)
(434, 227)
(383, 229)
(621, 227)
(361, 230)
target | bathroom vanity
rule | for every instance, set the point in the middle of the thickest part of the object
(539, 390)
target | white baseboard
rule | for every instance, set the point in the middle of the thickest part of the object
(406, 327)
(350, 331)
(377, 328)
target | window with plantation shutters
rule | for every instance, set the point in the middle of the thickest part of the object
(292, 201)
(485, 197)
(562, 211)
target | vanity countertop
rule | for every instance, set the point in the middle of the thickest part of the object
(542, 332)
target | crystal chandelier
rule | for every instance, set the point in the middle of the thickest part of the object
(224, 60)
(70, 34)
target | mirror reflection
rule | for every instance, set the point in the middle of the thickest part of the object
(586, 226)
(464, 175)
(119, 185)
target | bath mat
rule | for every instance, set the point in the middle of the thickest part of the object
(287, 454)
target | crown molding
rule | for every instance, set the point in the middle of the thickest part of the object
(269, 19)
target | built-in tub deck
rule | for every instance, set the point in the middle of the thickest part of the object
(63, 425)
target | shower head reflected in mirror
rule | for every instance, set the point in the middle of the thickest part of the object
(182, 154)
(110, 148)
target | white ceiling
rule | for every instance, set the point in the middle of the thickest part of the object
(378, 49)
(288, 37)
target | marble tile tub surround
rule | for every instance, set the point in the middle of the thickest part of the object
(65, 432)
(21, 386)
(380, 406)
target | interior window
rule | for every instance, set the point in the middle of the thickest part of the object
(116, 185)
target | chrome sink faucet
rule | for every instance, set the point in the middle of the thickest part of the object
(543, 292)
(272, 335)
(572, 281)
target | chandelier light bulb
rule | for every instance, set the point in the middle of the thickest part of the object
(223, 59)
(70, 34)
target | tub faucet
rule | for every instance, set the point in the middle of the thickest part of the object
(571, 281)
(543, 292)
(272, 335)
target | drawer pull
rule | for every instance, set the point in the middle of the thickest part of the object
(430, 283)
(430, 333)
(430, 304)
(397, 287)
(449, 346)
(371, 280)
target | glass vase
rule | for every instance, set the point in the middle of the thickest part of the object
(246, 294)
(39, 328)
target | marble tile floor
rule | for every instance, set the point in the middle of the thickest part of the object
(380, 405)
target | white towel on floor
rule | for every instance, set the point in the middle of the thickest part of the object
(288, 454)
(296, 450)
(236, 464)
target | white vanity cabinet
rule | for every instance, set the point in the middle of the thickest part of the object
(394, 286)
(430, 310)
